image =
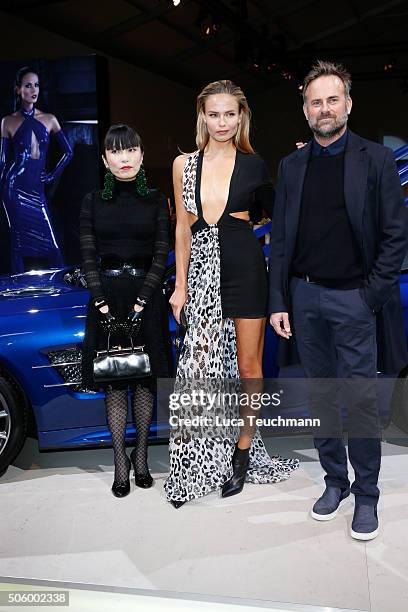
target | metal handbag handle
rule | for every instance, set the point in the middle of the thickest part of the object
(107, 350)
(131, 342)
(109, 347)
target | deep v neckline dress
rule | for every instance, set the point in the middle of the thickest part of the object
(200, 457)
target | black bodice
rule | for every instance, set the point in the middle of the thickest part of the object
(128, 229)
(251, 187)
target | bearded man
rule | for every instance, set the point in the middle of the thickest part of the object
(339, 236)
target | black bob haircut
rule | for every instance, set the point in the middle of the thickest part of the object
(122, 136)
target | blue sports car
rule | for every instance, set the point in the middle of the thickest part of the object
(42, 317)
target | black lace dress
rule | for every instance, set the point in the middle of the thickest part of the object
(126, 230)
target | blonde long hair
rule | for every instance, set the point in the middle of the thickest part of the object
(241, 139)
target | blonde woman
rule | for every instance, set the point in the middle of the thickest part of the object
(221, 283)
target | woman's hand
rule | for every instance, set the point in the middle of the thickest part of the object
(108, 322)
(46, 177)
(177, 301)
(300, 145)
(134, 320)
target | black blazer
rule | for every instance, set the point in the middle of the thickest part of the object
(375, 206)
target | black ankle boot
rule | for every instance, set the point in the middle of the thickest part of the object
(121, 489)
(145, 480)
(235, 484)
(176, 504)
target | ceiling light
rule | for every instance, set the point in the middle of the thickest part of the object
(390, 64)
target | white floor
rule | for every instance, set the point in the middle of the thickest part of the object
(60, 522)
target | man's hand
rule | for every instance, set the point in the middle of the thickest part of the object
(280, 323)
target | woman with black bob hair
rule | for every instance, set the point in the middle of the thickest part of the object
(124, 236)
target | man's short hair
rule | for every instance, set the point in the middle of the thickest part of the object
(322, 68)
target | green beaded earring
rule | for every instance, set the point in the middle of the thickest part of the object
(141, 183)
(108, 184)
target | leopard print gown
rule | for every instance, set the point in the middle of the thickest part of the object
(200, 456)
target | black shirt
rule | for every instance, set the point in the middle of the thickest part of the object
(334, 148)
(127, 229)
(326, 248)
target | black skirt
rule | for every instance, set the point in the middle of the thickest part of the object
(121, 292)
(244, 279)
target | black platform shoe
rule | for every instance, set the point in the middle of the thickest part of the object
(240, 461)
(144, 481)
(176, 504)
(121, 489)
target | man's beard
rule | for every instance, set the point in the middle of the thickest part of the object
(335, 127)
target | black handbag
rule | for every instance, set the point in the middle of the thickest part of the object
(119, 363)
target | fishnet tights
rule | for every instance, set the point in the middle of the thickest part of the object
(116, 410)
(142, 416)
(116, 401)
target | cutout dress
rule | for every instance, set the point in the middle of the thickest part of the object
(226, 279)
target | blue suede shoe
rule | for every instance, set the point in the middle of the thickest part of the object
(365, 522)
(327, 505)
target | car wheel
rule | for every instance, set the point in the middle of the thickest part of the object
(13, 423)
(399, 406)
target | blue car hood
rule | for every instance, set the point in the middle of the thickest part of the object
(41, 290)
(11, 283)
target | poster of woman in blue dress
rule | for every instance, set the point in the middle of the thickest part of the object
(35, 155)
